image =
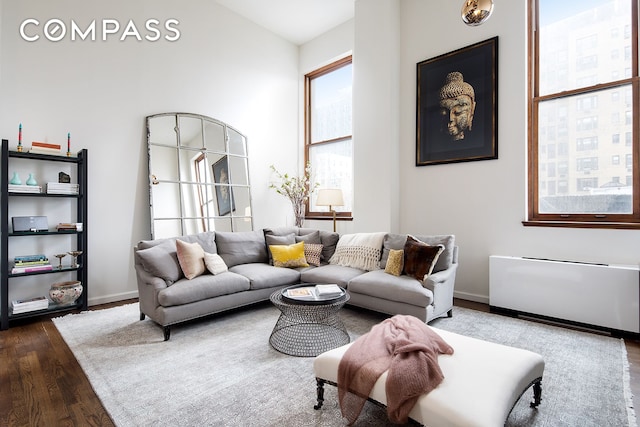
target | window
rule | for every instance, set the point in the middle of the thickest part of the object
(328, 133)
(584, 107)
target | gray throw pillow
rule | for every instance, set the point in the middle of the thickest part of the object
(161, 261)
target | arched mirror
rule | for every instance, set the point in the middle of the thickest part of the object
(198, 176)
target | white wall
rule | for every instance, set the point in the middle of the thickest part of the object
(484, 202)
(225, 67)
(222, 66)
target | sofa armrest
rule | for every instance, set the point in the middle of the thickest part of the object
(442, 284)
(148, 288)
(439, 277)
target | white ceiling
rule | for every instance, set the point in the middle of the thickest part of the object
(295, 20)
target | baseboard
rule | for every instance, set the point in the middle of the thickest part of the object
(113, 298)
(471, 297)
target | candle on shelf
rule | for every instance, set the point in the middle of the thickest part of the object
(68, 144)
(20, 137)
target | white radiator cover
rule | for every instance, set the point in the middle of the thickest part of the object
(601, 295)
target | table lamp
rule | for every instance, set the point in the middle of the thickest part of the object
(330, 197)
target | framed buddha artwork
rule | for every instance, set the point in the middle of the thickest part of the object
(457, 105)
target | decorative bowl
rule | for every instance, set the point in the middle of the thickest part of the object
(65, 292)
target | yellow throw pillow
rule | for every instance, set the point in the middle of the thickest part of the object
(191, 258)
(289, 256)
(395, 262)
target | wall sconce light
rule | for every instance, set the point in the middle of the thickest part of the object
(330, 197)
(476, 12)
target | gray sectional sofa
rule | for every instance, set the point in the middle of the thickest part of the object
(168, 298)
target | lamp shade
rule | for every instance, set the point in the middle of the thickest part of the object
(330, 197)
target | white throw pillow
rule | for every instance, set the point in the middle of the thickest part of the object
(215, 264)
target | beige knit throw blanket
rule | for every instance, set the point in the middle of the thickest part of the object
(408, 349)
(359, 250)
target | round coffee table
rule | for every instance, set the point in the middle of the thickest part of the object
(308, 328)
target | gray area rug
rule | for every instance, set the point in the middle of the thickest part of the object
(221, 371)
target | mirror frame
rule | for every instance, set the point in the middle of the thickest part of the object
(223, 203)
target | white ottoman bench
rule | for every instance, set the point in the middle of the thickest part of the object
(482, 382)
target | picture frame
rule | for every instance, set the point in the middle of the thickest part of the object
(224, 192)
(457, 105)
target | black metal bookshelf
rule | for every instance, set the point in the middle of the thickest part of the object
(80, 160)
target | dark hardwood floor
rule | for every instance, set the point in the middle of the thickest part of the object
(42, 384)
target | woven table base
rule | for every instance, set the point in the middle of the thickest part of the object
(307, 330)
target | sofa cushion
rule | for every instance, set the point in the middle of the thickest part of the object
(289, 256)
(191, 258)
(359, 250)
(395, 263)
(263, 275)
(330, 273)
(397, 241)
(214, 263)
(420, 258)
(313, 237)
(281, 231)
(241, 247)
(206, 240)
(161, 260)
(403, 288)
(202, 287)
(313, 253)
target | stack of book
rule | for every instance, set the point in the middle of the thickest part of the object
(62, 188)
(69, 226)
(328, 291)
(30, 264)
(22, 188)
(27, 305)
(45, 148)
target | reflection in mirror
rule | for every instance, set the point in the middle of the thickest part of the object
(198, 176)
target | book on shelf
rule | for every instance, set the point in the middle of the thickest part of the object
(38, 150)
(31, 268)
(69, 226)
(29, 263)
(328, 290)
(62, 188)
(31, 304)
(48, 145)
(23, 188)
(34, 257)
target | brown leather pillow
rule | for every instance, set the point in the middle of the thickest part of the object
(420, 258)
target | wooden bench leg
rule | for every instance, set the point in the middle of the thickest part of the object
(320, 391)
(537, 394)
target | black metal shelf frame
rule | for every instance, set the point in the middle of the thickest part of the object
(80, 160)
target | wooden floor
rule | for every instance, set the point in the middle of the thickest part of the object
(41, 383)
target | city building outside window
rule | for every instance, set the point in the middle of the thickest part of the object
(583, 96)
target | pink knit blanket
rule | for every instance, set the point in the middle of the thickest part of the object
(408, 349)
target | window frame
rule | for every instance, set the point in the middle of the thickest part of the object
(573, 220)
(342, 62)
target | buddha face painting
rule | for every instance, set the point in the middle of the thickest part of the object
(457, 104)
